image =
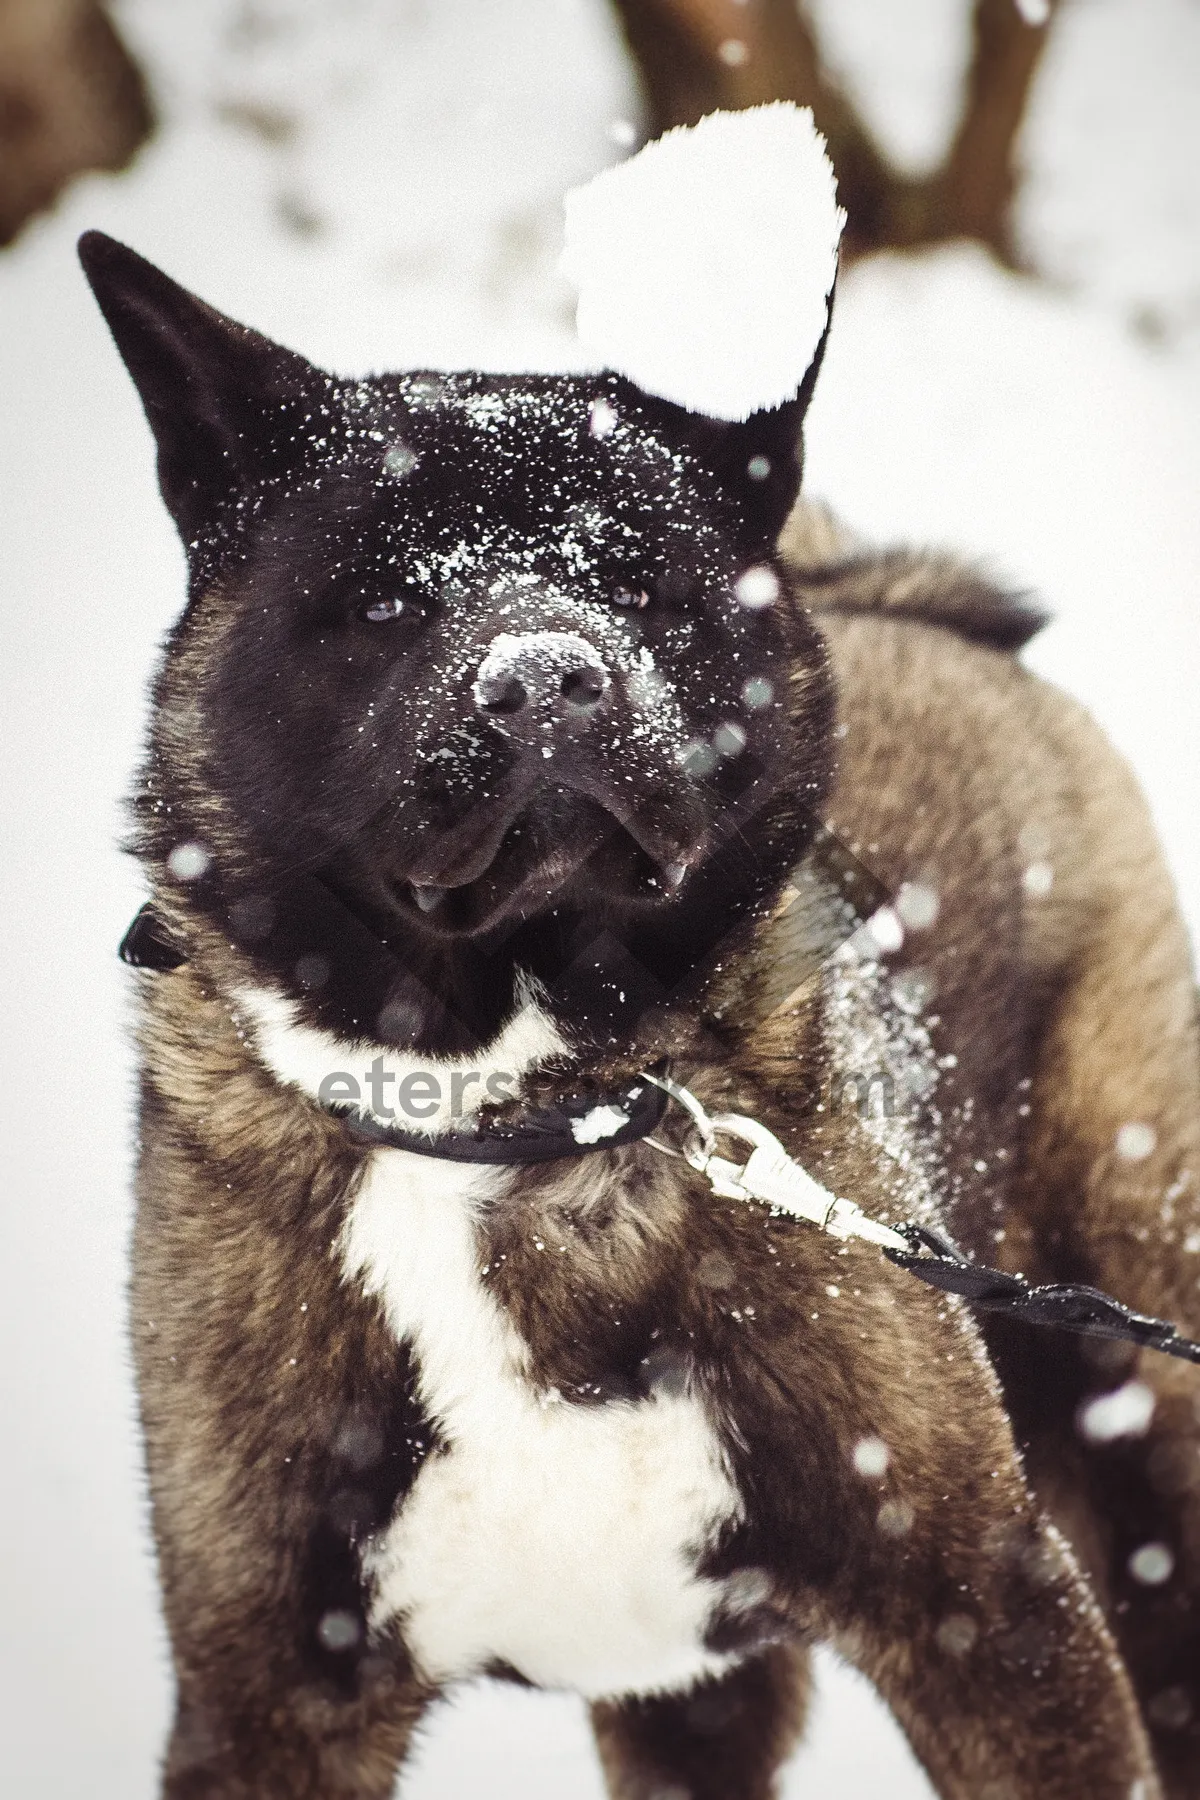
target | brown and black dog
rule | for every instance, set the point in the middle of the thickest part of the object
(485, 774)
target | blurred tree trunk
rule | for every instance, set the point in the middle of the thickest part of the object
(696, 56)
(71, 99)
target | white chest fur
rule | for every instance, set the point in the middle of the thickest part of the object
(557, 1538)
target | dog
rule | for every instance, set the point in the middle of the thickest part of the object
(511, 770)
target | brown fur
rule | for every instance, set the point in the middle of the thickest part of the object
(266, 1381)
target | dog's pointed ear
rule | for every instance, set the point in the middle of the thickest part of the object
(760, 460)
(216, 394)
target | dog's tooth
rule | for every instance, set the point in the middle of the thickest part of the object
(675, 873)
(427, 897)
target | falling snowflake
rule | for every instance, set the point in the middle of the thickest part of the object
(1125, 1413)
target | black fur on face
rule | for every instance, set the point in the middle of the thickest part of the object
(502, 665)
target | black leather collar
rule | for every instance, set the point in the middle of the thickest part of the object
(541, 1134)
(149, 945)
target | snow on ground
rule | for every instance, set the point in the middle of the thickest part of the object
(377, 183)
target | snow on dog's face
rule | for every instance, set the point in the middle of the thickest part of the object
(527, 645)
(471, 647)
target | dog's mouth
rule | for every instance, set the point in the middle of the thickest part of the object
(570, 849)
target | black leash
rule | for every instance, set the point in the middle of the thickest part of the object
(770, 1177)
(1067, 1306)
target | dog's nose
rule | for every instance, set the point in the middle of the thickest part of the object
(539, 676)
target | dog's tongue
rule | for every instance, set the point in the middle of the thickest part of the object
(475, 872)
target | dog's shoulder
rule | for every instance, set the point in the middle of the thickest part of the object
(834, 572)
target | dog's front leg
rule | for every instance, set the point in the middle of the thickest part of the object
(892, 1502)
(1009, 1684)
(268, 1707)
(283, 1739)
(280, 1430)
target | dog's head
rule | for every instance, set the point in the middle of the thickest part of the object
(477, 651)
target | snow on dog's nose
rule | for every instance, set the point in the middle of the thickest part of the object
(536, 679)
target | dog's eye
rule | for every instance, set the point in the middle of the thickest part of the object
(631, 596)
(380, 611)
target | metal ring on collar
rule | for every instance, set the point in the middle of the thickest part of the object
(697, 1114)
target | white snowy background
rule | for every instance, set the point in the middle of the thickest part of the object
(378, 184)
